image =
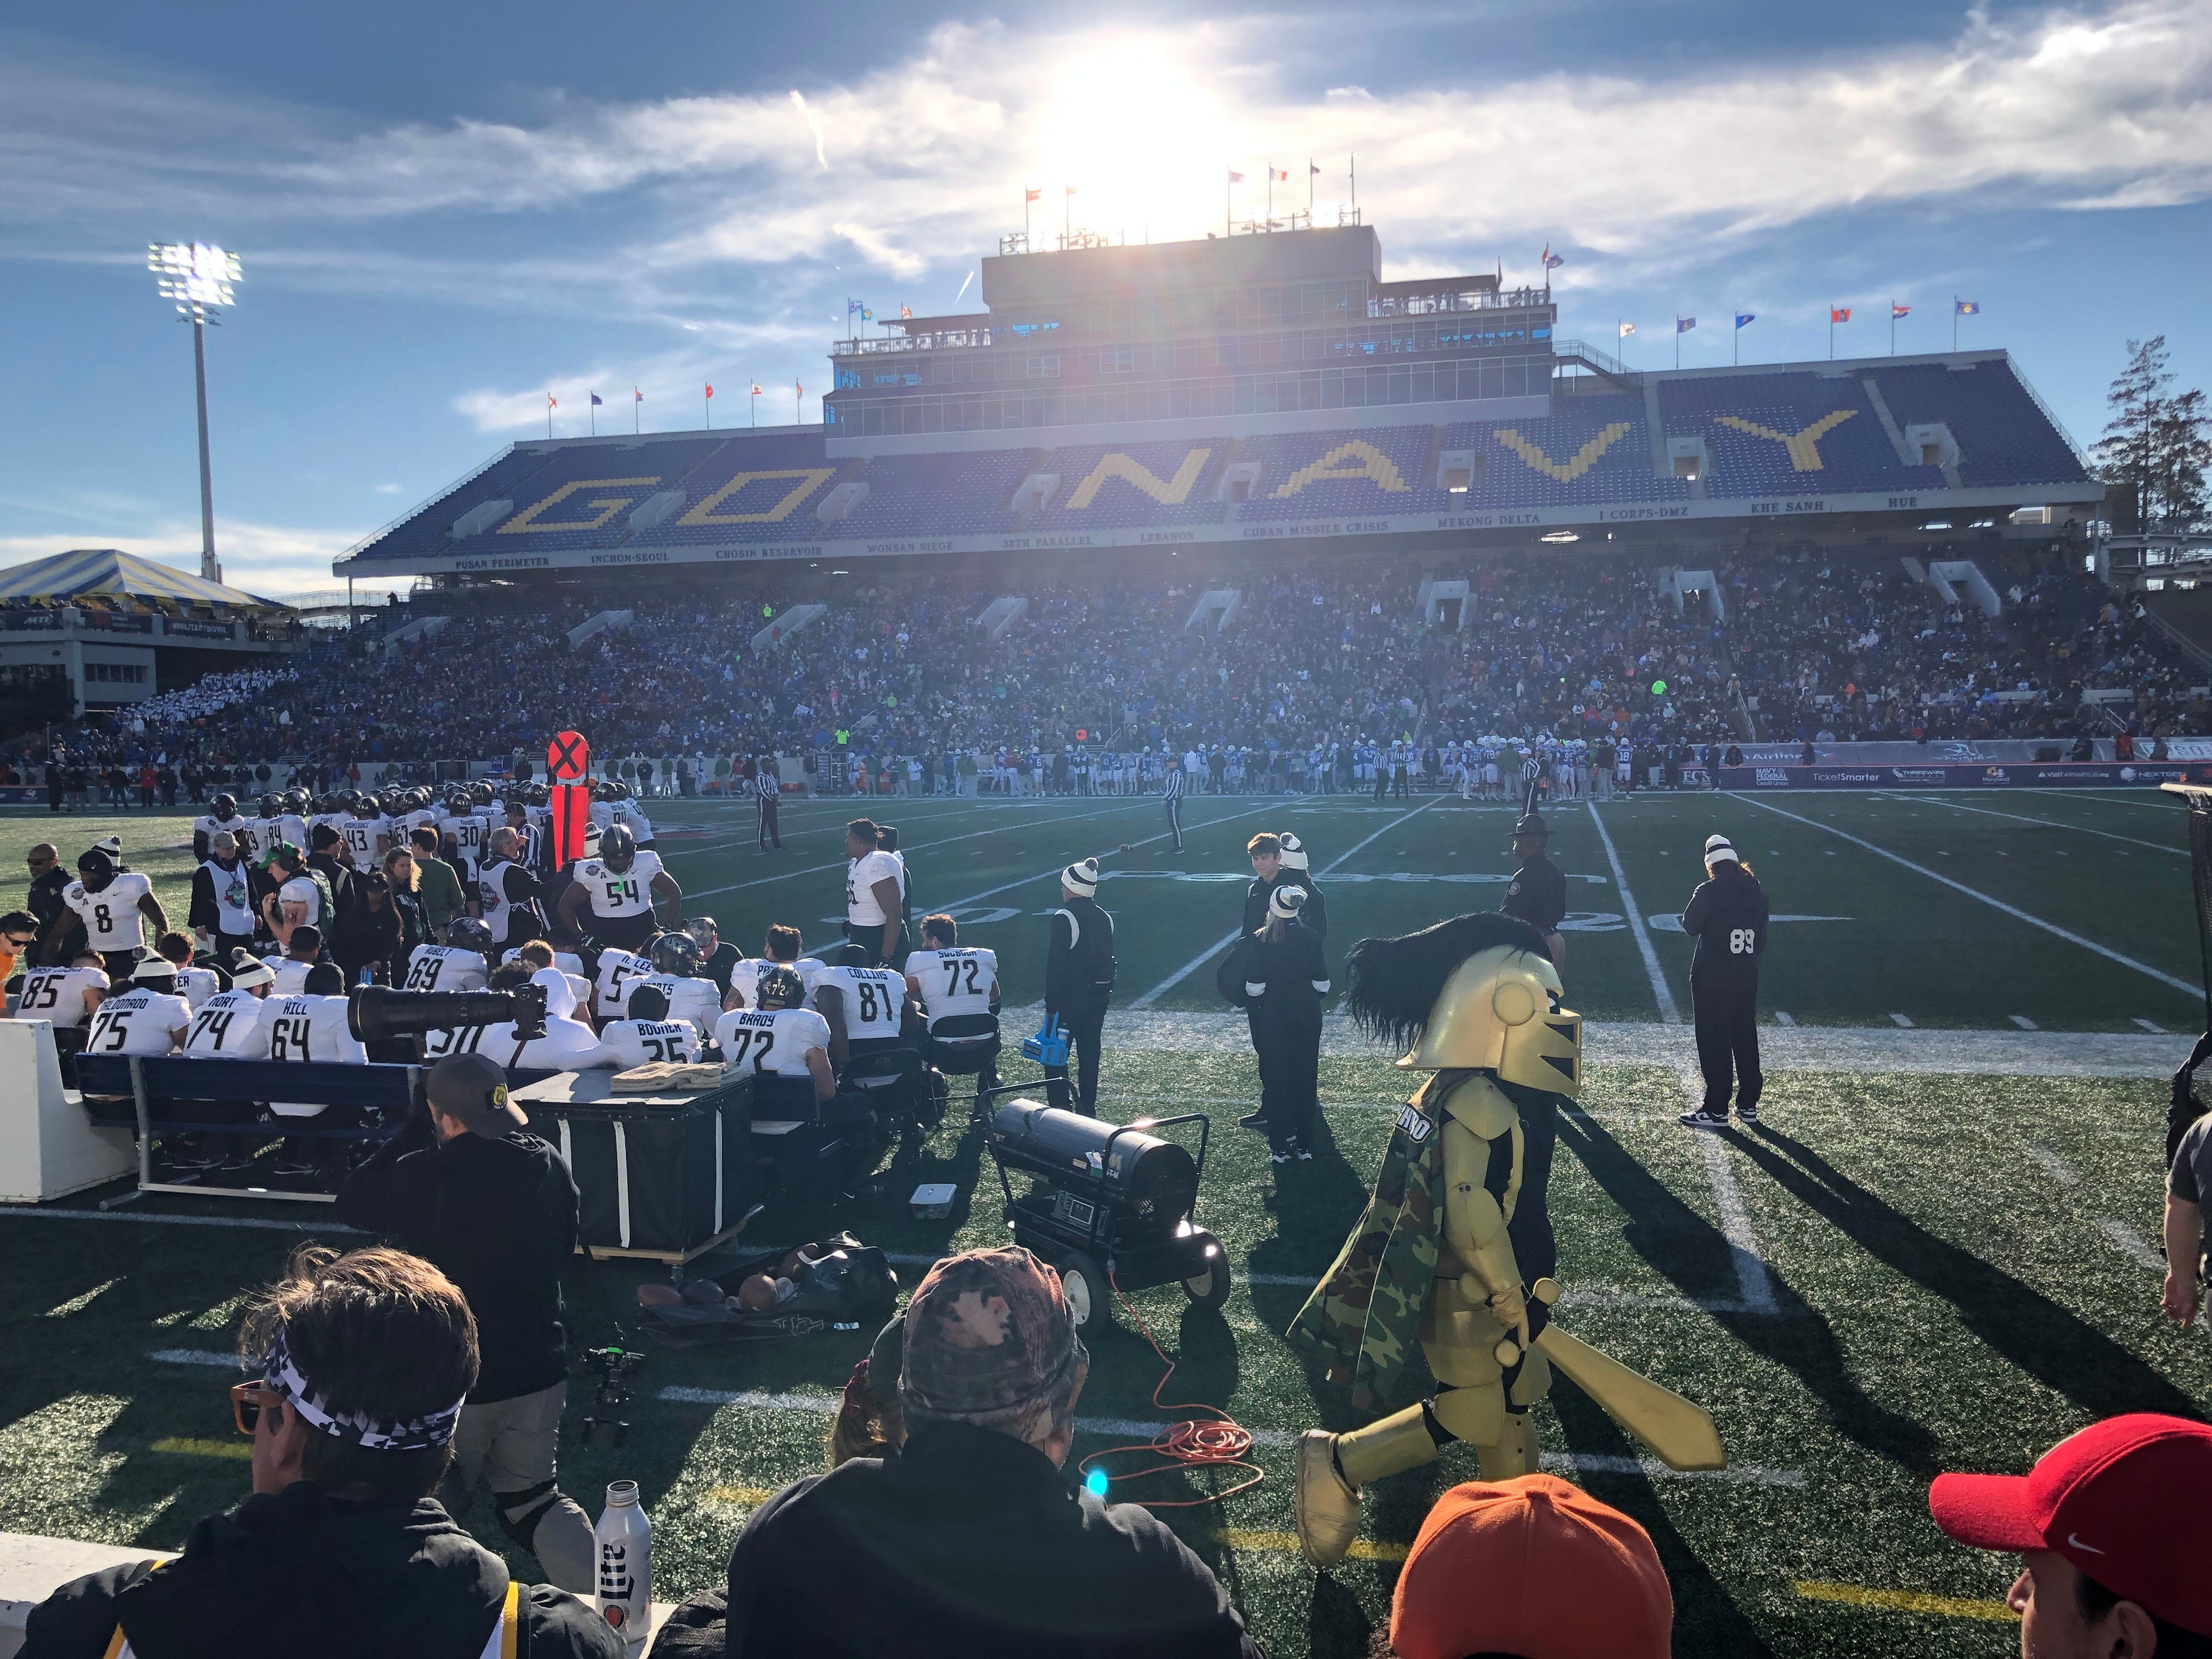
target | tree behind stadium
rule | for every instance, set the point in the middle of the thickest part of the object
(2155, 448)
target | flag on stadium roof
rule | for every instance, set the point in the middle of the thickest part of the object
(1839, 314)
(1551, 261)
(757, 391)
(1684, 325)
(906, 311)
(1234, 177)
(1968, 308)
(852, 306)
(1032, 195)
(552, 402)
(596, 399)
(636, 395)
(1313, 169)
(1627, 329)
(1743, 317)
(1896, 310)
(1282, 175)
(710, 388)
(1070, 190)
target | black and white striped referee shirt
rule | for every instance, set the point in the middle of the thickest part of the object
(1173, 789)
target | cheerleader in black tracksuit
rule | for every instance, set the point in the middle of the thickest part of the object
(1279, 976)
(1727, 915)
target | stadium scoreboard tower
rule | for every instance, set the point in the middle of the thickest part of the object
(1286, 332)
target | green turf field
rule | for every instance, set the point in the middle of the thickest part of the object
(1895, 1275)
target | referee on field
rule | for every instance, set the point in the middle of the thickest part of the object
(768, 787)
(1171, 793)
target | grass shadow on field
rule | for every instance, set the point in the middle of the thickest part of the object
(2050, 1343)
(1685, 1247)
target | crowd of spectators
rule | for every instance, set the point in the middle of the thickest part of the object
(1792, 646)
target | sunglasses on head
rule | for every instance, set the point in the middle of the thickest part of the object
(246, 1401)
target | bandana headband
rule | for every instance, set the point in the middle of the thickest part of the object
(374, 1433)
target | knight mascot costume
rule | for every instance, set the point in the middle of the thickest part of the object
(1456, 1248)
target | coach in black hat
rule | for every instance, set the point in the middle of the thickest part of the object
(1538, 892)
(1078, 980)
(467, 1185)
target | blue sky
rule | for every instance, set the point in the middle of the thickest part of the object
(446, 212)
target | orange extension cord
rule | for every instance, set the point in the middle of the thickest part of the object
(1190, 1443)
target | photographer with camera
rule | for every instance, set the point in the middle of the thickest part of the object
(466, 1187)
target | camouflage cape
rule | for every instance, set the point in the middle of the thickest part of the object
(1364, 1317)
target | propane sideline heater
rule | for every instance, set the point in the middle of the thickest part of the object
(1114, 1208)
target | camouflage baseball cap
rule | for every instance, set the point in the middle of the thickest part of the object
(987, 1331)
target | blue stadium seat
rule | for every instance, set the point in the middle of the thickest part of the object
(1590, 450)
(1354, 470)
(2003, 435)
(1126, 484)
(1788, 433)
(957, 495)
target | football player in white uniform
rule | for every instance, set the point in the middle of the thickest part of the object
(67, 996)
(222, 814)
(620, 889)
(867, 1008)
(781, 951)
(567, 1045)
(459, 964)
(114, 905)
(875, 892)
(613, 973)
(648, 1034)
(195, 985)
(226, 1026)
(780, 1037)
(959, 989)
(310, 1026)
(676, 973)
(277, 824)
(461, 836)
(368, 835)
(149, 1018)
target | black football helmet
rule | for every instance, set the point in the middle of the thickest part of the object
(617, 848)
(781, 988)
(458, 806)
(674, 953)
(272, 807)
(470, 935)
(95, 869)
(224, 807)
(368, 806)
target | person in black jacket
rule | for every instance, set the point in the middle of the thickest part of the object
(1538, 892)
(1278, 975)
(464, 1186)
(966, 1539)
(360, 1363)
(1727, 915)
(1078, 980)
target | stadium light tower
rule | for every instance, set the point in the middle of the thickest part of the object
(199, 278)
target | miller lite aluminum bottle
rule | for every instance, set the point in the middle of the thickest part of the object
(623, 1539)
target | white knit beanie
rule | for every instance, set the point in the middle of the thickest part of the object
(1286, 902)
(1081, 879)
(1294, 853)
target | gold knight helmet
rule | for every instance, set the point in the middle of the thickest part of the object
(1479, 992)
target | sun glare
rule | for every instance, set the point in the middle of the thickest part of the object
(1143, 140)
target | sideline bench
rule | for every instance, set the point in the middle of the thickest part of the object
(151, 1083)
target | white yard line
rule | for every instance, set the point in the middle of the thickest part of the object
(2025, 1023)
(2051, 927)
(1751, 1276)
(2150, 1026)
(2053, 823)
(817, 869)
(1191, 828)
(228, 1362)
(1901, 1021)
(1229, 938)
(2051, 1164)
(2129, 1243)
(1669, 1013)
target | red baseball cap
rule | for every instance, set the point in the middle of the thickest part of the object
(1533, 1567)
(2122, 1501)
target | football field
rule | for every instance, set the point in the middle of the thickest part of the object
(1938, 1251)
